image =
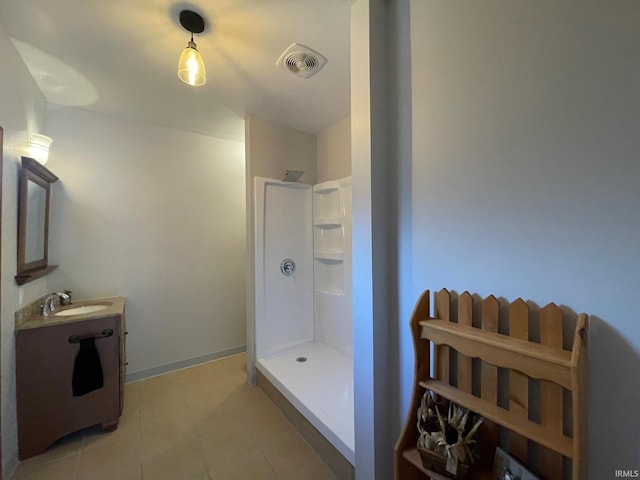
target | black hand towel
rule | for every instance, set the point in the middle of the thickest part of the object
(87, 369)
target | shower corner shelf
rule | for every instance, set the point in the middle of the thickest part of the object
(330, 291)
(333, 256)
(328, 222)
(328, 188)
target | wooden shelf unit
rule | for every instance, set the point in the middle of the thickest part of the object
(479, 387)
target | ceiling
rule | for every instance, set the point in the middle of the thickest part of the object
(120, 57)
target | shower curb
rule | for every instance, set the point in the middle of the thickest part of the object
(340, 466)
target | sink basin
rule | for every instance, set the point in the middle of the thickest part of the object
(81, 310)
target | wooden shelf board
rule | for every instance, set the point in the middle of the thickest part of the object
(31, 275)
(413, 457)
(533, 359)
(549, 437)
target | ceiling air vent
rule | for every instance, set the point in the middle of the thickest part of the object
(302, 61)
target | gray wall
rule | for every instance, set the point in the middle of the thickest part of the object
(525, 177)
(512, 170)
(372, 215)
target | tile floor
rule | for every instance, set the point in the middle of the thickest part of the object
(201, 423)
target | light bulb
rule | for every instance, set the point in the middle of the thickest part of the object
(191, 66)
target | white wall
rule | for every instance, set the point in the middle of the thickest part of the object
(334, 151)
(525, 177)
(156, 215)
(22, 108)
(270, 150)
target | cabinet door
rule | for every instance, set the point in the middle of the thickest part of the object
(45, 358)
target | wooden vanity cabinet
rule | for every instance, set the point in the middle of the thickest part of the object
(47, 408)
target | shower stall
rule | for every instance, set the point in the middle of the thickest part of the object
(303, 301)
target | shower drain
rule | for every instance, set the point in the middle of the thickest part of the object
(301, 359)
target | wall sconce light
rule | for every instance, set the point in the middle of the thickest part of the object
(191, 66)
(38, 147)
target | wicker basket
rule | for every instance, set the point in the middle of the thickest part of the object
(437, 463)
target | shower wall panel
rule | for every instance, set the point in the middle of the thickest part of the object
(284, 265)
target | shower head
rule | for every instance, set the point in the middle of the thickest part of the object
(292, 175)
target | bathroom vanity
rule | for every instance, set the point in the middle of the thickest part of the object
(48, 362)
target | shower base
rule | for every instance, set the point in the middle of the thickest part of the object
(318, 381)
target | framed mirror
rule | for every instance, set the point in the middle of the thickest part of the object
(33, 220)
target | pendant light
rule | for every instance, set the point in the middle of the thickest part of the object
(190, 66)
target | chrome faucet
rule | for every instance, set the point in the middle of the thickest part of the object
(48, 305)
